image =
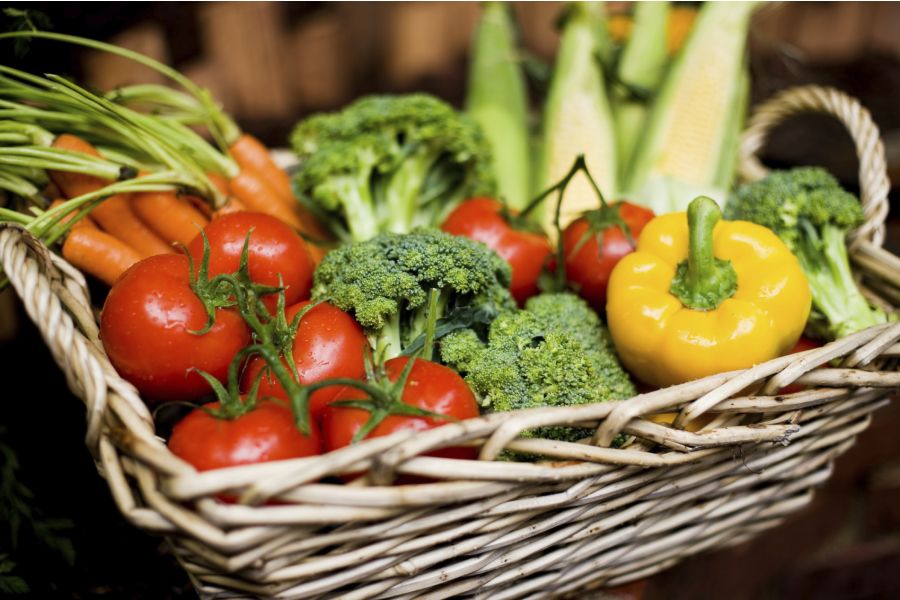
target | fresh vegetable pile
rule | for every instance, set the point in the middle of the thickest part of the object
(412, 272)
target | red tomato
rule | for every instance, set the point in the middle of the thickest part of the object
(265, 433)
(146, 327)
(588, 267)
(430, 386)
(274, 249)
(480, 219)
(329, 343)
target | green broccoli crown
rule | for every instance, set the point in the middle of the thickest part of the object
(569, 313)
(413, 119)
(556, 352)
(415, 156)
(329, 176)
(386, 281)
(785, 201)
(314, 132)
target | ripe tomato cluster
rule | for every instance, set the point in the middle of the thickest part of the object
(592, 245)
(177, 327)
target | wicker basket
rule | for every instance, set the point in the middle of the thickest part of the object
(497, 529)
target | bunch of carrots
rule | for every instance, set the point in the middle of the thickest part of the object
(121, 184)
(125, 228)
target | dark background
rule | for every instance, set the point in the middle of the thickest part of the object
(271, 64)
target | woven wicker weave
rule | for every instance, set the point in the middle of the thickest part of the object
(493, 528)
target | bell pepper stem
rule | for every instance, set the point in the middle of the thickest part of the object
(703, 214)
(703, 282)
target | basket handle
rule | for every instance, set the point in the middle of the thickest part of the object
(873, 179)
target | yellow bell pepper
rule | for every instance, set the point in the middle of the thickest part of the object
(701, 296)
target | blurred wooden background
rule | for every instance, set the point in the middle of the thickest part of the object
(270, 63)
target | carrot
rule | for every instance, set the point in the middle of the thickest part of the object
(231, 206)
(199, 204)
(172, 218)
(219, 182)
(251, 155)
(256, 195)
(75, 184)
(113, 214)
(85, 221)
(316, 252)
(98, 254)
(117, 218)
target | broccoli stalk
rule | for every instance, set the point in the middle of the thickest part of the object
(406, 185)
(812, 214)
(389, 164)
(393, 284)
(835, 294)
(340, 180)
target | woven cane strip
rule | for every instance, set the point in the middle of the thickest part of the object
(589, 513)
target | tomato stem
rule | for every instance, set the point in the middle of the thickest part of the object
(384, 397)
(559, 282)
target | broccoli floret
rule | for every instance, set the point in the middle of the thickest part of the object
(386, 282)
(389, 164)
(556, 352)
(811, 213)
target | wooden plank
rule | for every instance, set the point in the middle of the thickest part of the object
(246, 46)
(537, 22)
(885, 24)
(425, 39)
(320, 65)
(831, 32)
(106, 71)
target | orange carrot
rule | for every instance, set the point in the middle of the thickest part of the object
(84, 221)
(219, 182)
(233, 205)
(316, 252)
(113, 214)
(98, 254)
(199, 204)
(252, 155)
(117, 218)
(75, 184)
(172, 218)
(256, 195)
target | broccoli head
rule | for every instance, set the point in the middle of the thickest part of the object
(556, 352)
(389, 164)
(807, 208)
(386, 283)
